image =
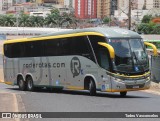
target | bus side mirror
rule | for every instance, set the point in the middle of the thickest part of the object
(155, 53)
(109, 47)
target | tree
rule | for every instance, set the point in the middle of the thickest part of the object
(106, 20)
(156, 29)
(36, 21)
(2, 20)
(68, 21)
(146, 28)
(9, 20)
(146, 18)
(50, 20)
(24, 20)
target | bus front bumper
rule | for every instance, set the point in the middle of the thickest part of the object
(128, 85)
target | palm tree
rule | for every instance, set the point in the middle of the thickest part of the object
(69, 21)
(36, 21)
(9, 20)
(2, 20)
(50, 20)
(24, 20)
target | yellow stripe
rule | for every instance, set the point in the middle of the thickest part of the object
(52, 37)
(130, 76)
(124, 90)
(75, 88)
(9, 83)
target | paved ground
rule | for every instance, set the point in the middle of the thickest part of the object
(77, 101)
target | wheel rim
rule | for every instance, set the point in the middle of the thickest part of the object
(90, 85)
(20, 83)
(29, 84)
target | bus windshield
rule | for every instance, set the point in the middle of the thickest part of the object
(130, 56)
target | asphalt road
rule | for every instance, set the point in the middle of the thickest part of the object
(80, 101)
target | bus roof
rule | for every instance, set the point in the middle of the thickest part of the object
(110, 32)
(106, 32)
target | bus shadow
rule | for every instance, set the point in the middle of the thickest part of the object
(79, 92)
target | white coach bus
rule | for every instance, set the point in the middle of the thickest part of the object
(94, 59)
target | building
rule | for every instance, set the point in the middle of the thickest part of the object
(69, 3)
(0, 6)
(86, 9)
(139, 4)
(40, 13)
(139, 8)
(102, 8)
(61, 2)
(5, 4)
(106, 8)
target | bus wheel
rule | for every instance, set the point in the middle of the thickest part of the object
(30, 86)
(21, 83)
(123, 94)
(92, 88)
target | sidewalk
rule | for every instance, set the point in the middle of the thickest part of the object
(154, 89)
(1, 75)
(8, 103)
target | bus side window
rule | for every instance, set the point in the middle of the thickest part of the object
(7, 50)
(33, 49)
(14, 50)
(51, 47)
(80, 46)
(103, 58)
(101, 53)
(65, 46)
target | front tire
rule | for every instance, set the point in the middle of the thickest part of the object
(92, 87)
(21, 83)
(30, 85)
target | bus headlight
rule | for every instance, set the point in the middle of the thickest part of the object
(147, 79)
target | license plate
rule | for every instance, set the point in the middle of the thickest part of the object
(135, 87)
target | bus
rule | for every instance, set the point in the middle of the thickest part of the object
(93, 59)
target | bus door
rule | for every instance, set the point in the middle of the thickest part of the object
(104, 63)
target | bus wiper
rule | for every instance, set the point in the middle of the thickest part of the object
(137, 60)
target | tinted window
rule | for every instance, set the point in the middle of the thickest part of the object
(33, 49)
(69, 46)
(53, 47)
(101, 52)
(14, 50)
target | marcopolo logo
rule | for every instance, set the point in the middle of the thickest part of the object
(75, 66)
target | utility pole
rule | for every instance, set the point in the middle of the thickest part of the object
(129, 16)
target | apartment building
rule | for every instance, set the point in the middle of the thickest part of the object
(106, 7)
(138, 4)
(5, 4)
(61, 2)
(69, 3)
(86, 9)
